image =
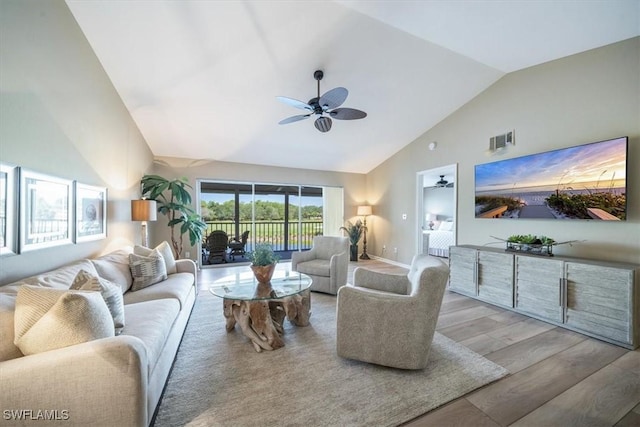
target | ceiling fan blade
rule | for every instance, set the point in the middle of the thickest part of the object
(347, 114)
(294, 103)
(293, 119)
(333, 99)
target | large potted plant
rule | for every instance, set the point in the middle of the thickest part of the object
(263, 262)
(354, 232)
(174, 201)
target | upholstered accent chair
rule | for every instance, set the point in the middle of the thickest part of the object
(390, 319)
(327, 262)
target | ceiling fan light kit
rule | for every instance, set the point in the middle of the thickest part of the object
(323, 124)
(326, 104)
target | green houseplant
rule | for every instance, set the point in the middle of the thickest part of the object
(174, 201)
(263, 262)
(354, 232)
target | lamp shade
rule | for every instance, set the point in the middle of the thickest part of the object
(364, 210)
(143, 210)
(432, 217)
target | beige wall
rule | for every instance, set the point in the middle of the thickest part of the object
(60, 115)
(584, 98)
(170, 168)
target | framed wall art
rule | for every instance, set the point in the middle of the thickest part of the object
(46, 217)
(8, 209)
(91, 212)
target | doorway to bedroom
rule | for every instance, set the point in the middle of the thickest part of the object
(437, 197)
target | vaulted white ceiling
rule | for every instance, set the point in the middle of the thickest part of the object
(200, 78)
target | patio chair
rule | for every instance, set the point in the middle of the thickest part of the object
(237, 247)
(217, 243)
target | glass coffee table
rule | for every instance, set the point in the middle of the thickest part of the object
(260, 308)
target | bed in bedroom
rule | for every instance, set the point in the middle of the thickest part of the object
(441, 239)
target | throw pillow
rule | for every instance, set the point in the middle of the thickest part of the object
(114, 267)
(46, 319)
(446, 226)
(111, 293)
(147, 270)
(165, 250)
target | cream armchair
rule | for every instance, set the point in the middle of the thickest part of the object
(327, 262)
(390, 319)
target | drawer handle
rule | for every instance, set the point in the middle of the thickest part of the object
(560, 292)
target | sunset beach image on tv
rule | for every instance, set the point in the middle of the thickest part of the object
(583, 182)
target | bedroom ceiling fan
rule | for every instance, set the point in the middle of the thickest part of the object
(443, 183)
(325, 107)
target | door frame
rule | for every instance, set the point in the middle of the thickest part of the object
(451, 169)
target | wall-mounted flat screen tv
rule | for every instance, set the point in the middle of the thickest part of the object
(583, 182)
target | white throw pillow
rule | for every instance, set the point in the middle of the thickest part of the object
(114, 267)
(46, 319)
(446, 226)
(147, 270)
(111, 293)
(165, 250)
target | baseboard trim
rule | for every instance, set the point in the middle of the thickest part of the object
(389, 261)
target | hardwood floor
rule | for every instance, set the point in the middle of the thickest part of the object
(557, 377)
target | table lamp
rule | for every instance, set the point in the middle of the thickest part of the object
(431, 217)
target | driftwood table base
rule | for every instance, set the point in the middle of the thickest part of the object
(262, 320)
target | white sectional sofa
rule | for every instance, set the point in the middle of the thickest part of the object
(113, 381)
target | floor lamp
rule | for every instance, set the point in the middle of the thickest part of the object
(364, 211)
(144, 210)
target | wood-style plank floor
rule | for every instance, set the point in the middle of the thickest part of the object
(557, 377)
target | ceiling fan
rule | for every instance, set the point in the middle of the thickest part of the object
(443, 182)
(325, 107)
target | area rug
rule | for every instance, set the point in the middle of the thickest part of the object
(219, 380)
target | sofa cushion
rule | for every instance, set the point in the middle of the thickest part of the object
(114, 267)
(110, 292)
(151, 322)
(147, 270)
(47, 319)
(62, 277)
(165, 250)
(176, 286)
(315, 267)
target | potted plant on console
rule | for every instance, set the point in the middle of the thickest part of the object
(263, 262)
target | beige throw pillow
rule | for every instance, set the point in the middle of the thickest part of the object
(111, 293)
(165, 250)
(147, 270)
(114, 267)
(46, 319)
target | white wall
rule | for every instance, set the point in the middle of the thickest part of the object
(438, 200)
(583, 98)
(60, 115)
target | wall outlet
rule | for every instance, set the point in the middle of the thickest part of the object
(384, 247)
(404, 216)
(187, 254)
(395, 250)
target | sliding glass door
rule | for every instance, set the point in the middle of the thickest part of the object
(285, 216)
